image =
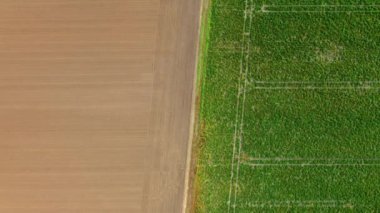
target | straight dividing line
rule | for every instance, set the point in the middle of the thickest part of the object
(241, 131)
(265, 8)
(321, 11)
(314, 162)
(311, 205)
(314, 159)
(302, 159)
(323, 5)
(308, 164)
(303, 204)
(300, 206)
(313, 11)
(292, 165)
(308, 5)
(315, 82)
(297, 202)
(316, 88)
(237, 107)
(232, 49)
(315, 85)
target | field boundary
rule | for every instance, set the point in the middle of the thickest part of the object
(309, 8)
(191, 194)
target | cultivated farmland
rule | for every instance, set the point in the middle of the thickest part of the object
(95, 104)
(290, 107)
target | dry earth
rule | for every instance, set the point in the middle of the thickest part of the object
(95, 104)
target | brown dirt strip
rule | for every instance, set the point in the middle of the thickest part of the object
(172, 105)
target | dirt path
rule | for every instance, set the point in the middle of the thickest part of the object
(172, 103)
(95, 104)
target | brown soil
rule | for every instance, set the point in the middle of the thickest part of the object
(95, 104)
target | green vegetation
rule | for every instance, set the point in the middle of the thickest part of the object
(290, 107)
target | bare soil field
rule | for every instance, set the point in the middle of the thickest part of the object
(95, 104)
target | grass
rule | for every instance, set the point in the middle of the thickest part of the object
(290, 107)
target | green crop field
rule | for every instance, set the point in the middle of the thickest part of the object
(290, 107)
